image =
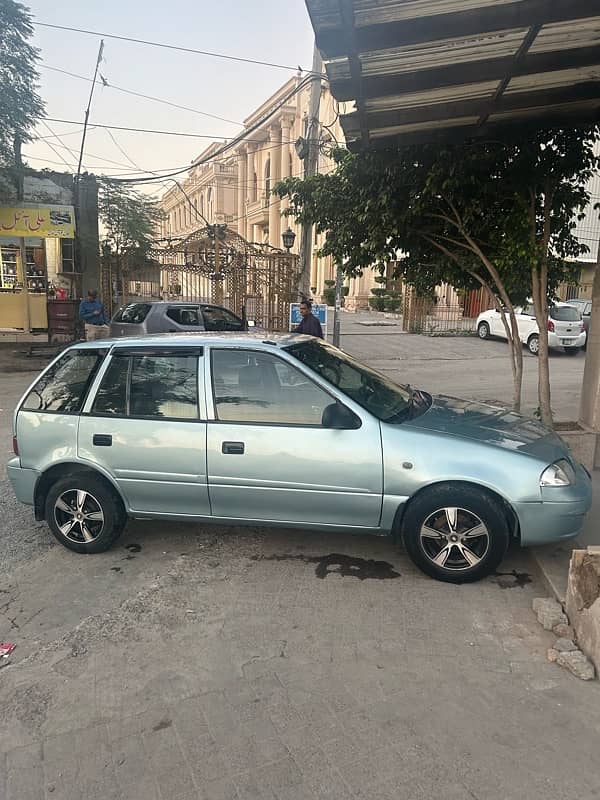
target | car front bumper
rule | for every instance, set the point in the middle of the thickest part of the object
(23, 481)
(559, 515)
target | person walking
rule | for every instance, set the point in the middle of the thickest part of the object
(91, 311)
(309, 324)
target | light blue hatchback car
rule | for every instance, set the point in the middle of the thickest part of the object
(285, 431)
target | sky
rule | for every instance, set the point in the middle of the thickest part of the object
(268, 31)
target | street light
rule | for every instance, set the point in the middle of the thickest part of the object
(289, 237)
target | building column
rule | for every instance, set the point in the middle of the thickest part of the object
(242, 179)
(249, 188)
(274, 203)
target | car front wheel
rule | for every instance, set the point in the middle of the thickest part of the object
(84, 514)
(483, 330)
(457, 534)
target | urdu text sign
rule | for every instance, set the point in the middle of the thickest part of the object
(42, 221)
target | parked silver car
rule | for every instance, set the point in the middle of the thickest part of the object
(138, 319)
(285, 431)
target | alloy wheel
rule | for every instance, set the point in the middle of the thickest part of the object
(79, 515)
(454, 539)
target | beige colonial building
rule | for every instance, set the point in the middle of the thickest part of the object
(236, 189)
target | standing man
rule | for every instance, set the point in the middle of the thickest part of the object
(91, 311)
(310, 324)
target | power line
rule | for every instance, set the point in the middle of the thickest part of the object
(54, 150)
(172, 47)
(108, 85)
(136, 130)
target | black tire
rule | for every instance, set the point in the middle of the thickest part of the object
(572, 351)
(471, 506)
(63, 506)
(533, 344)
(483, 330)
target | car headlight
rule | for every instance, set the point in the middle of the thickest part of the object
(561, 473)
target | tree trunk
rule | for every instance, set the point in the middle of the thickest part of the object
(516, 353)
(539, 283)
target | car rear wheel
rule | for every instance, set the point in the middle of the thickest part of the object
(483, 330)
(572, 351)
(457, 534)
(84, 514)
(533, 344)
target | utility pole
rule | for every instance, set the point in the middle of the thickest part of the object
(310, 168)
(338, 305)
(89, 105)
(22, 247)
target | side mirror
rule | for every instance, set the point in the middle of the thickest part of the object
(338, 417)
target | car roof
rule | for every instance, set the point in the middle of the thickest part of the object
(174, 340)
(173, 303)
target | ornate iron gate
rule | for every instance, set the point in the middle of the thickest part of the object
(216, 265)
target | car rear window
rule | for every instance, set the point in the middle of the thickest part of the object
(63, 389)
(133, 313)
(565, 314)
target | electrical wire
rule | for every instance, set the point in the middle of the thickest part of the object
(54, 150)
(212, 54)
(107, 84)
(240, 137)
(135, 130)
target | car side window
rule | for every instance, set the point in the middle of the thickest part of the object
(62, 390)
(150, 386)
(220, 319)
(184, 315)
(250, 386)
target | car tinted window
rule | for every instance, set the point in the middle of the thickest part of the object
(529, 310)
(375, 392)
(150, 386)
(64, 387)
(220, 319)
(565, 314)
(133, 314)
(184, 315)
(249, 386)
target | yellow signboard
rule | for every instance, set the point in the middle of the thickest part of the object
(43, 221)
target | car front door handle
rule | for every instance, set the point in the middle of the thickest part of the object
(233, 448)
(102, 440)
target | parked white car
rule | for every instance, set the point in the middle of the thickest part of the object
(565, 327)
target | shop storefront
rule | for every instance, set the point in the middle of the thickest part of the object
(44, 235)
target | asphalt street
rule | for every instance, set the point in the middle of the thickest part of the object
(201, 662)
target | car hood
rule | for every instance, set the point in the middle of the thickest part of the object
(491, 425)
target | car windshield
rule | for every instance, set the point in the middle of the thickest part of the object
(377, 394)
(133, 313)
(565, 314)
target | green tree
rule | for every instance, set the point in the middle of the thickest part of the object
(129, 225)
(20, 104)
(498, 214)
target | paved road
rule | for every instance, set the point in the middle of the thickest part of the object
(196, 662)
(461, 366)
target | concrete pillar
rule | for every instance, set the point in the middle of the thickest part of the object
(242, 180)
(251, 168)
(273, 202)
(589, 413)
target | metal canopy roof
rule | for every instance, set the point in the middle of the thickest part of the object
(442, 70)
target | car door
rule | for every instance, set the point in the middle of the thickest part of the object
(269, 456)
(146, 427)
(526, 321)
(182, 318)
(495, 322)
(217, 318)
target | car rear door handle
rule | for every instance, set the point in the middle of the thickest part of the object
(102, 440)
(233, 448)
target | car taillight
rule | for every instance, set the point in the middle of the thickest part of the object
(550, 326)
(15, 446)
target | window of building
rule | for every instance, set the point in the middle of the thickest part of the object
(67, 252)
(156, 386)
(258, 387)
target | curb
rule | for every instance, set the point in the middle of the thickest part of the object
(551, 563)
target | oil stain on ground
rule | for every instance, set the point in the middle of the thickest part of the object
(133, 548)
(347, 566)
(509, 580)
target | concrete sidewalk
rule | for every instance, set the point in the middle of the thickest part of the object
(553, 560)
